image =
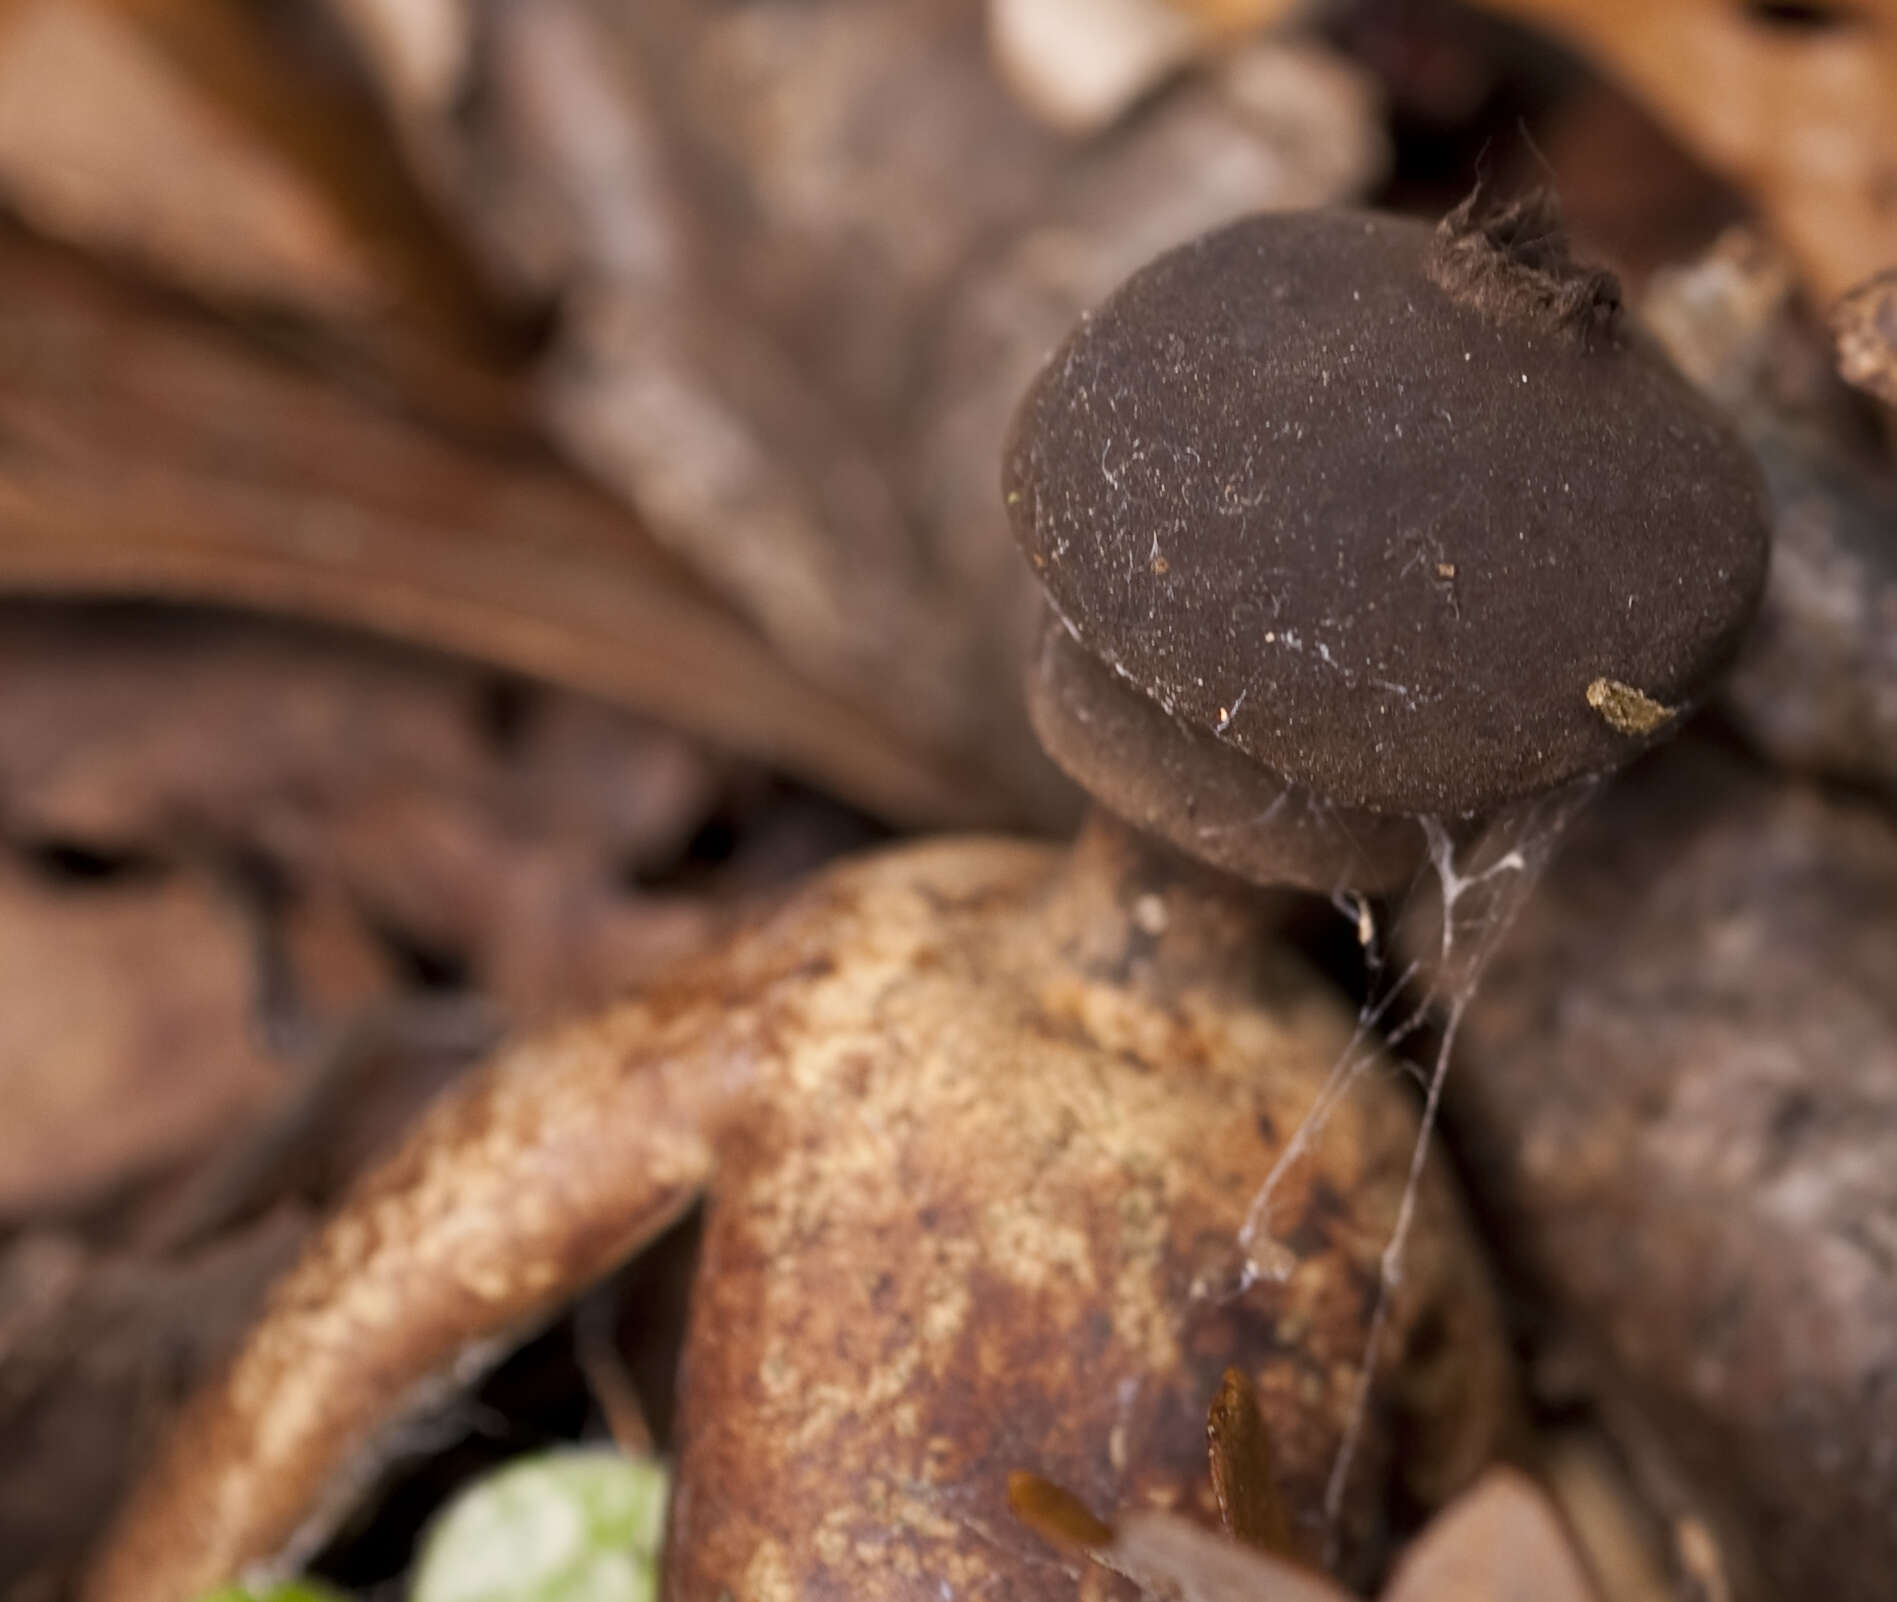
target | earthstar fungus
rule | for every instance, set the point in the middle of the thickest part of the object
(974, 1117)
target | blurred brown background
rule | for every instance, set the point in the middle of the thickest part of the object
(491, 491)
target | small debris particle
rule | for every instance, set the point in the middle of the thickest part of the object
(1244, 1483)
(1161, 566)
(1627, 710)
(1055, 1514)
(1445, 570)
(1864, 324)
(1149, 915)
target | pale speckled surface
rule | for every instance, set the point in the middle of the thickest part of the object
(972, 1116)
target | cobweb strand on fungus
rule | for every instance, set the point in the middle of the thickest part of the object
(1424, 962)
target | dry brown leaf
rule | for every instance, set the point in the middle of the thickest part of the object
(104, 143)
(344, 825)
(1618, 1534)
(1817, 686)
(216, 146)
(96, 1352)
(126, 1033)
(1718, 316)
(152, 455)
(1501, 1541)
(810, 254)
(1794, 103)
(405, 803)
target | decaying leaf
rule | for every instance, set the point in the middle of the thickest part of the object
(96, 1352)
(808, 254)
(213, 145)
(126, 1035)
(379, 786)
(153, 454)
(1500, 1542)
(1791, 102)
(260, 886)
(1817, 687)
(1619, 1535)
(104, 143)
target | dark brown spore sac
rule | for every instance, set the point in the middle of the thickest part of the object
(1379, 534)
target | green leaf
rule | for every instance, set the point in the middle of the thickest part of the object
(576, 1525)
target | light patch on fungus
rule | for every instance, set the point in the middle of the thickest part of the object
(1627, 710)
(1030, 1248)
(769, 1576)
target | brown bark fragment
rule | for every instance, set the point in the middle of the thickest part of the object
(1678, 1088)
